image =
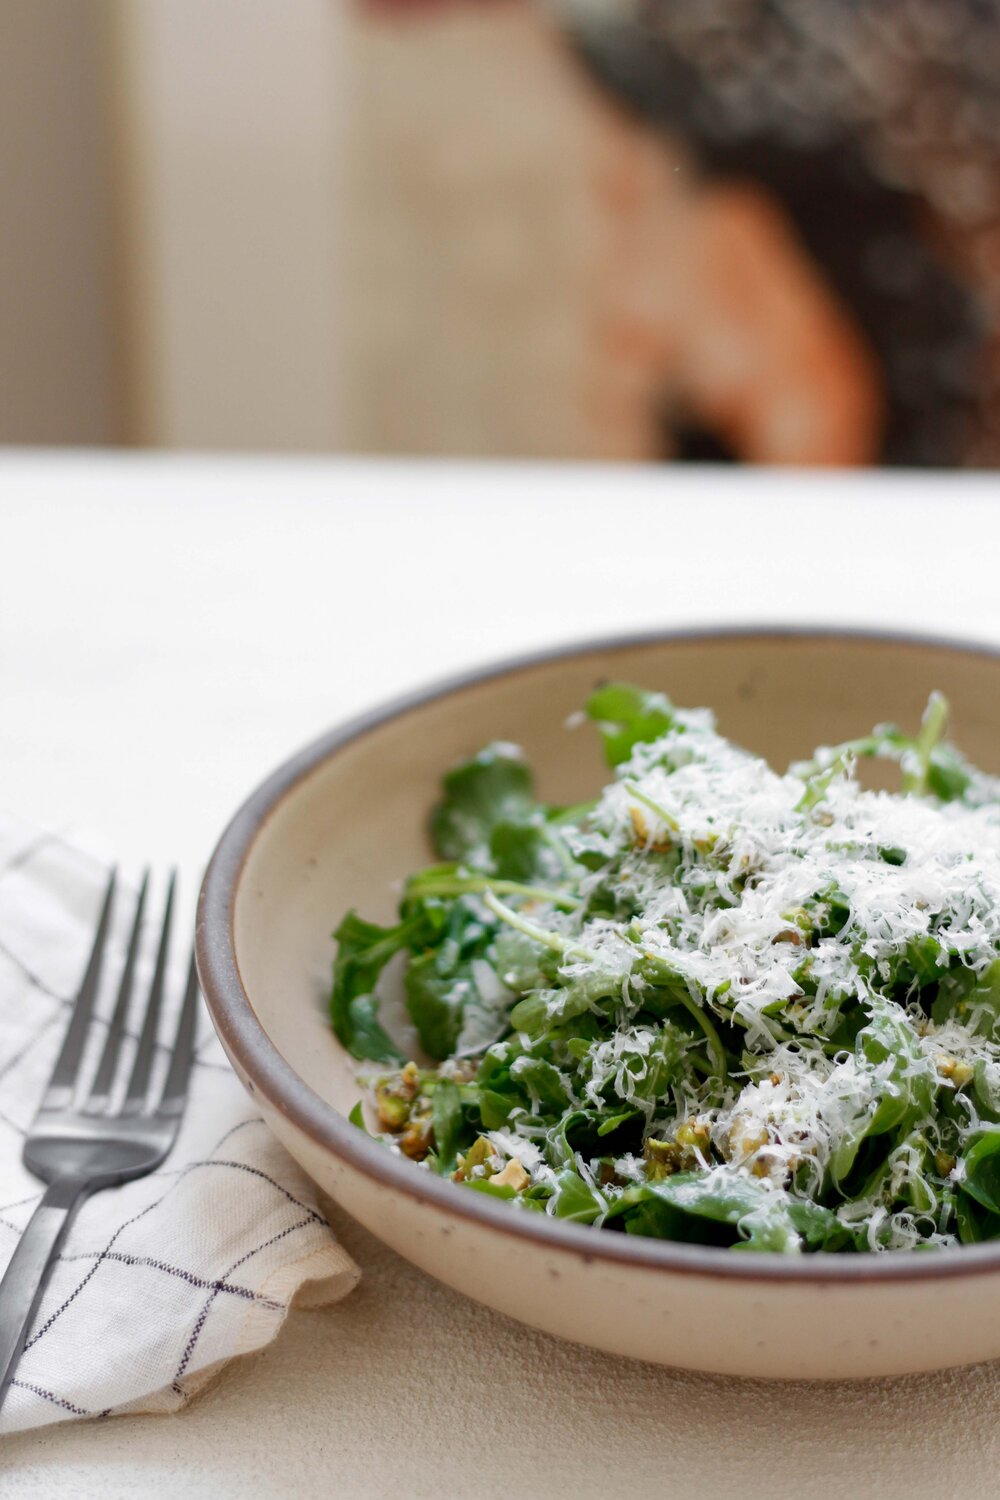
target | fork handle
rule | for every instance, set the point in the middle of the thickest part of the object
(29, 1269)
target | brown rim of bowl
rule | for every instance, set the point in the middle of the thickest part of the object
(256, 1057)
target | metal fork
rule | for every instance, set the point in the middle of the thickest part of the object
(78, 1143)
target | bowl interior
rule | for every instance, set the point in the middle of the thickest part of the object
(349, 829)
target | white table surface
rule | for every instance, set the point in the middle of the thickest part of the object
(170, 628)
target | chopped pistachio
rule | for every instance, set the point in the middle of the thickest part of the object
(513, 1175)
(393, 1110)
(409, 1081)
(459, 1069)
(949, 1067)
(641, 829)
(800, 918)
(663, 1159)
(415, 1142)
(695, 1134)
(768, 1163)
(944, 1163)
(479, 1154)
(745, 1141)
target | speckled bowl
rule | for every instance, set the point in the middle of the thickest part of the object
(341, 822)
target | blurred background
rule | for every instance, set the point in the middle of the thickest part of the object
(737, 230)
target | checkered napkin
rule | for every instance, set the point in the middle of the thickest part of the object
(163, 1280)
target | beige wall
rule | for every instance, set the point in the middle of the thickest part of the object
(168, 191)
(58, 375)
(228, 113)
(349, 233)
(471, 238)
(277, 224)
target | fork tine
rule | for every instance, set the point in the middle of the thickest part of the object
(112, 1043)
(138, 1084)
(175, 1088)
(62, 1084)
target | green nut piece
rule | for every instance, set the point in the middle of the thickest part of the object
(479, 1154)
(693, 1135)
(393, 1111)
(663, 1159)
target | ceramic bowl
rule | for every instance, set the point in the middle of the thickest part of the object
(342, 822)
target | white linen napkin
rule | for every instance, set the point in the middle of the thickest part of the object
(161, 1281)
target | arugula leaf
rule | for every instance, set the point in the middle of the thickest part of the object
(890, 1185)
(889, 1045)
(735, 1210)
(448, 1121)
(538, 1012)
(537, 1086)
(982, 1171)
(435, 1002)
(690, 1206)
(627, 716)
(819, 1226)
(576, 1200)
(611, 1123)
(949, 775)
(490, 1188)
(665, 1062)
(363, 950)
(543, 1084)
(974, 1222)
(916, 762)
(583, 1132)
(973, 1000)
(528, 852)
(493, 787)
(886, 742)
(439, 982)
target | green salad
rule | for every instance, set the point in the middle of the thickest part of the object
(717, 1004)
